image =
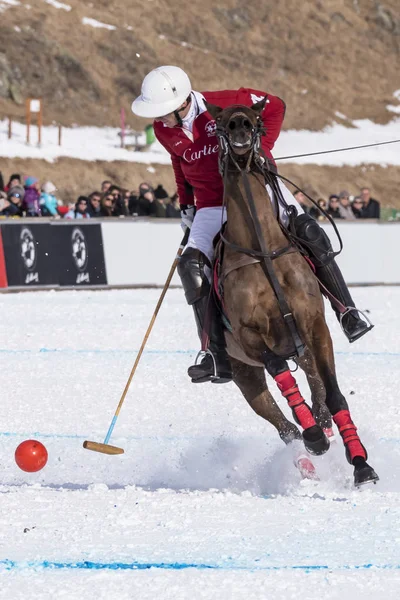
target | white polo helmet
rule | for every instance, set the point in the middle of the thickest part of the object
(164, 89)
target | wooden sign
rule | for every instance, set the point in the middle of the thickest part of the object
(34, 106)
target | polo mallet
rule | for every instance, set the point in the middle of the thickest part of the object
(106, 448)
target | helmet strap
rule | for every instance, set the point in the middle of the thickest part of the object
(176, 112)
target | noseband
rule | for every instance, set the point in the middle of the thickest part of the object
(227, 152)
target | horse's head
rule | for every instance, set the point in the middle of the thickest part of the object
(238, 127)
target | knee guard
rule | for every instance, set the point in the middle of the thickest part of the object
(315, 240)
(191, 271)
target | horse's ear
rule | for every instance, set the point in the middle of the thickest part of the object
(213, 110)
(258, 107)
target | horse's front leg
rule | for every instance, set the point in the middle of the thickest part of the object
(356, 453)
(253, 385)
(318, 395)
(314, 437)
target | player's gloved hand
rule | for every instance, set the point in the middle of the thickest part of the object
(187, 216)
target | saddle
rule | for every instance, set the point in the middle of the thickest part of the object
(220, 273)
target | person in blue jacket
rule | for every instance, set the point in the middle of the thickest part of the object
(48, 201)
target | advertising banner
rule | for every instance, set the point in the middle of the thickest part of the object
(80, 256)
(28, 254)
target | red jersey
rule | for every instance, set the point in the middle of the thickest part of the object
(195, 162)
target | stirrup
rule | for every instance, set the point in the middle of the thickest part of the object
(349, 310)
(202, 354)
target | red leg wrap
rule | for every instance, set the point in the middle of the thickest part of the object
(348, 431)
(289, 389)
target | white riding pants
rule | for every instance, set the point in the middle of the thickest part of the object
(207, 222)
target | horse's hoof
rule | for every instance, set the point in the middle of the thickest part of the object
(315, 440)
(364, 474)
(306, 468)
(330, 434)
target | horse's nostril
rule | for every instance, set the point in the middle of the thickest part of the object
(246, 124)
(232, 125)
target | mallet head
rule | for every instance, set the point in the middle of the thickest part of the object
(103, 448)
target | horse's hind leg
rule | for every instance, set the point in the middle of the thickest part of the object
(314, 438)
(356, 453)
(252, 383)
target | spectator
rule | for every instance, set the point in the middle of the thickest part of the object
(173, 208)
(160, 209)
(160, 202)
(94, 205)
(301, 199)
(31, 199)
(107, 205)
(133, 205)
(317, 214)
(371, 207)
(345, 209)
(161, 192)
(14, 207)
(119, 209)
(146, 206)
(80, 210)
(105, 186)
(48, 201)
(3, 200)
(20, 189)
(1, 182)
(14, 180)
(333, 207)
(356, 207)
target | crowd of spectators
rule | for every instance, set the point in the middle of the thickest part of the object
(26, 197)
(342, 206)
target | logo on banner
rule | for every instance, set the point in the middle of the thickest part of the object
(210, 128)
(29, 254)
(80, 255)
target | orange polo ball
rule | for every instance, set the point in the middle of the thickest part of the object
(31, 456)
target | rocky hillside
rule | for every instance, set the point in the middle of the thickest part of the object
(329, 60)
(88, 59)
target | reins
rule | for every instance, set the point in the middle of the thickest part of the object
(264, 254)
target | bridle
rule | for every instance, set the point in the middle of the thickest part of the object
(226, 152)
(256, 161)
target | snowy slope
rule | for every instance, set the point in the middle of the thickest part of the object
(95, 143)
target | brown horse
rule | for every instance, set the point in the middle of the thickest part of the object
(273, 301)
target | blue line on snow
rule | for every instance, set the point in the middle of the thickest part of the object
(9, 565)
(155, 352)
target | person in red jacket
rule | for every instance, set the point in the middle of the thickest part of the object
(187, 131)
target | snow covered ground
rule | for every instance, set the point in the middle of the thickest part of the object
(205, 502)
(103, 143)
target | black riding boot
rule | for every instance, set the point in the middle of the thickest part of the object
(320, 249)
(215, 365)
